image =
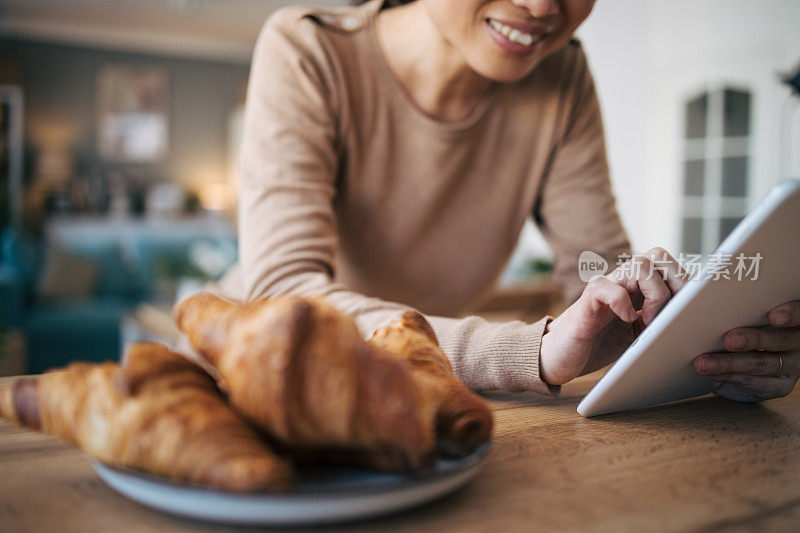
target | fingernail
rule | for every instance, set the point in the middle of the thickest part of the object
(781, 318)
(737, 341)
(707, 365)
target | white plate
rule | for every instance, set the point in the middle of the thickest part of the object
(319, 496)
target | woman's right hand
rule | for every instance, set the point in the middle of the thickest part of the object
(610, 313)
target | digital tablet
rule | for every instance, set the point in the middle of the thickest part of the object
(755, 269)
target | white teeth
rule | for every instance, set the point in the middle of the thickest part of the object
(514, 35)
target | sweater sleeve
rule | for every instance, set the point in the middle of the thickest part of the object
(287, 223)
(577, 187)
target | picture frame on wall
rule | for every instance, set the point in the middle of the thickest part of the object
(133, 123)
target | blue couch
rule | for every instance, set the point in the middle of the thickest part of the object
(128, 265)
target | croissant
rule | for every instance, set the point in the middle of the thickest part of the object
(463, 418)
(299, 369)
(158, 413)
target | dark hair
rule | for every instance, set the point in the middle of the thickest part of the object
(386, 3)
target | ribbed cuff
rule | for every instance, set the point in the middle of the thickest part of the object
(524, 371)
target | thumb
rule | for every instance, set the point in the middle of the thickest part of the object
(600, 303)
(568, 344)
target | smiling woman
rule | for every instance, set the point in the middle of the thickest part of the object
(392, 152)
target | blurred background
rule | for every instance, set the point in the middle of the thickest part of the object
(119, 128)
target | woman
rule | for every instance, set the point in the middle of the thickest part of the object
(392, 152)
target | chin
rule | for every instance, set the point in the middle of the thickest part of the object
(505, 73)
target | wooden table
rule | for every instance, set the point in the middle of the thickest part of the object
(700, 465)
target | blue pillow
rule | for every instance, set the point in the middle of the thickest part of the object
(115, 278)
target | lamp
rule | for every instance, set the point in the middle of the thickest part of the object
(793, 81)
(216, 196)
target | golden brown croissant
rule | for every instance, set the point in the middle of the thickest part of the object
(463, 418)
(299, 369)
(158, 413)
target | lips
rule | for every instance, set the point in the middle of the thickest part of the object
(512, 34)
(515, 38)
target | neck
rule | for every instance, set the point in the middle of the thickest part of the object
(431, 71)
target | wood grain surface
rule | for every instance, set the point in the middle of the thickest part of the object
(700, 465)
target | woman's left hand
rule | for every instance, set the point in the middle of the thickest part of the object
(764, 362)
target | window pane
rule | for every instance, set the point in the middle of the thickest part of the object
(737, 113)
(726, 226)
(734, 176)
(696, 111)
(693, 173)
(692, 235)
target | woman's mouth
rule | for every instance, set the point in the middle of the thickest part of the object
(514, 40)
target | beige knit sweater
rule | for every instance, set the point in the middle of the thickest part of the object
(350, 191)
